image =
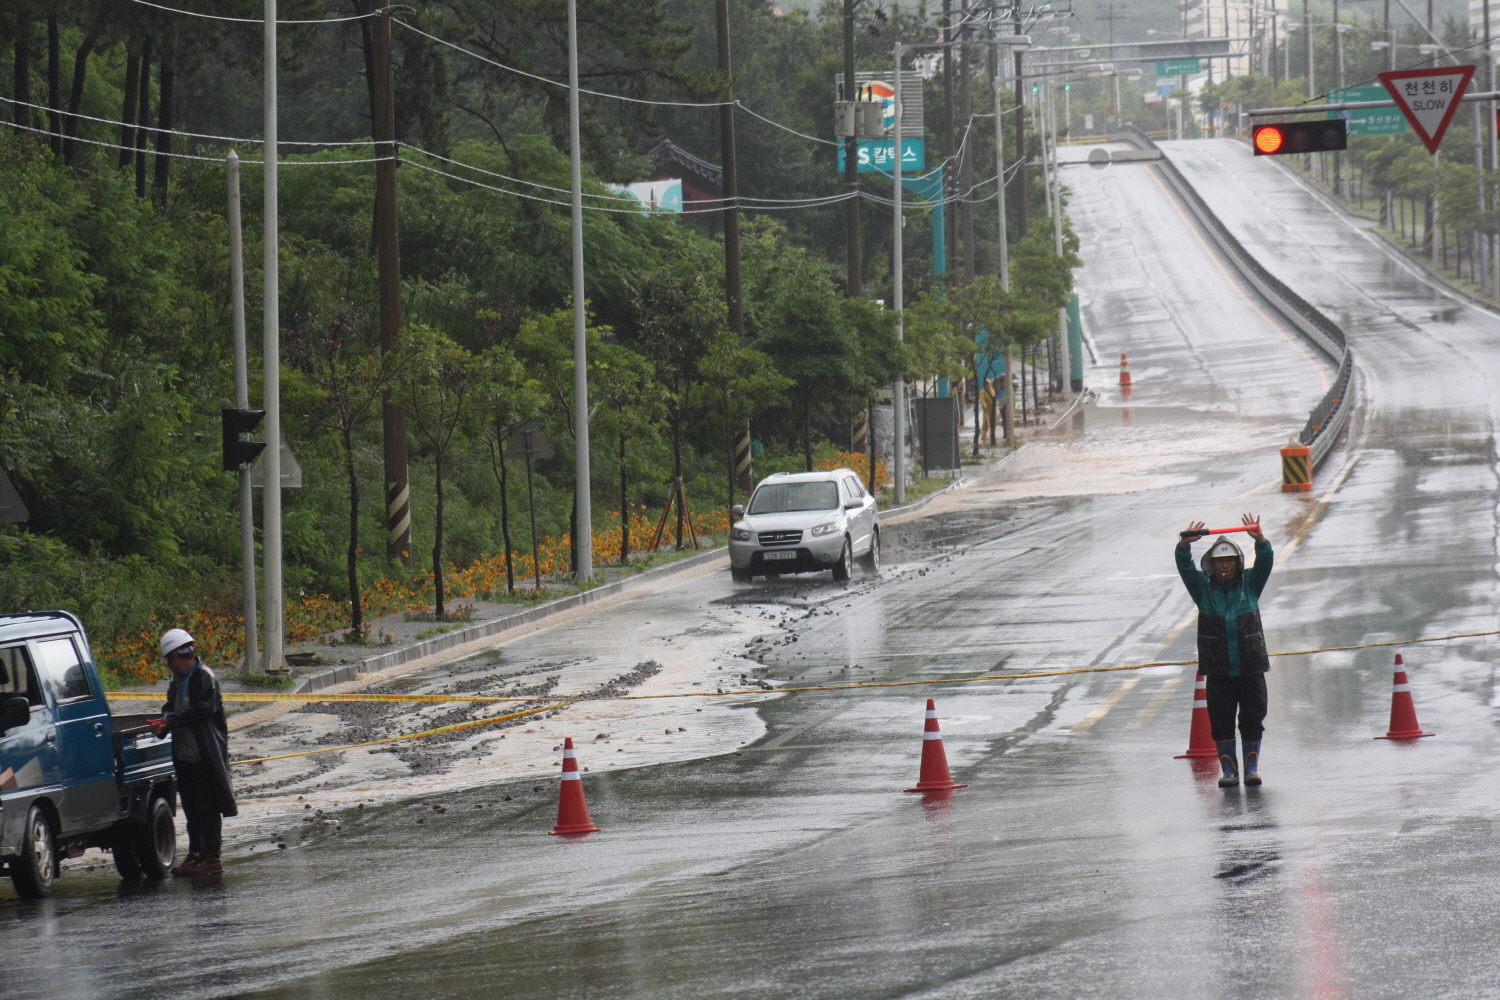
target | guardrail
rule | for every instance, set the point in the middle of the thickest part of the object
(1327, 419)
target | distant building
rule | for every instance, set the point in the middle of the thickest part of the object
(702, 182)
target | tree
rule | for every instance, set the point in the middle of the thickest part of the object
(624, 379)
(678, 319)
(742, 382)
(515, 399)
(345, 376)
(444, 388)
(796, 315)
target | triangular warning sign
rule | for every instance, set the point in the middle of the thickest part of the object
(11, 507)
(1428, 98)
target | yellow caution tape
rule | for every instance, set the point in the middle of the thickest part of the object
(573, 699)
(235, 696)
(564, 702)
(440, 730)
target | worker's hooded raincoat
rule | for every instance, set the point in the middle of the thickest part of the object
(1230, 640)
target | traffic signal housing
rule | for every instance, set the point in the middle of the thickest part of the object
(239, 453)
(1282, 138)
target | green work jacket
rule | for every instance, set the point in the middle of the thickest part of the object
(1230, 639)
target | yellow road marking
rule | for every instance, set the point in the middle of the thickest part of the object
(1157, 701)
(1109, 702)
(1192, 228)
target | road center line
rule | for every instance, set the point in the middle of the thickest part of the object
(1110, 701)
(1157, 701)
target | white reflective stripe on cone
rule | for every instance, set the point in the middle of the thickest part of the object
(569, 753)
(932, 713)
(572, 776)
(932, 736)
(1400, 687)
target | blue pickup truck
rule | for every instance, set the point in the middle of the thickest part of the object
(72, 774)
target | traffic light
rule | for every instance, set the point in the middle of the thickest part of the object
(1279, 138)
(239, 453)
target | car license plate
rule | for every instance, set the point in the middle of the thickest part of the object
(788, 554)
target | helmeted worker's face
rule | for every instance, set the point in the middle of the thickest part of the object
(1226, 568)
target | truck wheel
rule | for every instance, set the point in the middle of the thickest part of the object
(841, 568)
(35, 871)
(155, 841)
(123, 853)
(739, 575)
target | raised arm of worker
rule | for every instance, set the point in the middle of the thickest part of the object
(1265, 558)
(1192, 576)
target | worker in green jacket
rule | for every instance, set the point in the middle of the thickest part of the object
(1231, 644)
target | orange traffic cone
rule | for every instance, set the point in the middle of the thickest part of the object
(1404, 725)
(934, 775)
(1201, 738)
(1125, 370)
(572, 810)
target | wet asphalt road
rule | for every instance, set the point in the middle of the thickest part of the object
(1081, 860)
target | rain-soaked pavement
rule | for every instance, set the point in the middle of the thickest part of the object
(764, 848)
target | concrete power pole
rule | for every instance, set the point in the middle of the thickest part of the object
(733, 289)
(583, 533)
(854, 284)
(242, 401)
(271, 356)
(388, 254)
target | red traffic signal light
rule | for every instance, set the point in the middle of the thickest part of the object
(1280, 138)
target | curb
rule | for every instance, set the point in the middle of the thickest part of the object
(325, 679)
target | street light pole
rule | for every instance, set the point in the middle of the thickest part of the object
(583, 539)
(271, 356)
(854, 284)
(897, 293)
(242, 401)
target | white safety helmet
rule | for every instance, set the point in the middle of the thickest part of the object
(175, 638)
(1222, 549)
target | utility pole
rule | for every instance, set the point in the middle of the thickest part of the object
(583, 535)
(388, 256)
(1307, 50)
(949, 148)
(1007, 408)
(242, 402)
(1338, 72)
(1112, 15)
(1020, 142)
(854, 285)
(898, 263)
(966, 168)
(733, 289)
(274, 661)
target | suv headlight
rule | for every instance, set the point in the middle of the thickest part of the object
(825, 529)
(740, 534)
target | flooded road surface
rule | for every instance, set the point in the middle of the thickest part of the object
(775, 855)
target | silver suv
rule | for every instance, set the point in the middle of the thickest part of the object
(804, 522)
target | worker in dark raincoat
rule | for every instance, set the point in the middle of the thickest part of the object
(1231, 643)
(194, 715)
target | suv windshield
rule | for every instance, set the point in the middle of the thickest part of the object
(783, 497)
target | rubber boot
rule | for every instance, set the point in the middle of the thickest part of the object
(1228, 762)
(1252, 761)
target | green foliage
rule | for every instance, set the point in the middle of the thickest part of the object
(114, 308)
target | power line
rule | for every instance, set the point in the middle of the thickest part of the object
(255, 20)
(173, 131)
(819, 203)
(558, 83)
(190, 156)
(785, 128)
